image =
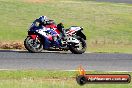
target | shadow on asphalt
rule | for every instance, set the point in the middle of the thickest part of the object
(14, 51)
(18, 51)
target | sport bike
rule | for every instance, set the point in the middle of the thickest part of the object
(41, 38)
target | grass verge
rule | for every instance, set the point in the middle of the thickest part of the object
(49, 79)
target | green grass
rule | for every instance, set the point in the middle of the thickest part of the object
(49, 79)
(110, 22)
(112, 48)
(71, 83)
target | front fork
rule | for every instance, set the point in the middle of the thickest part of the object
(35, 41)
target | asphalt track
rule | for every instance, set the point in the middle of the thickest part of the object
(116, 1)
(64, 61)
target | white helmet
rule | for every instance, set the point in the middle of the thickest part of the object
(43, 18)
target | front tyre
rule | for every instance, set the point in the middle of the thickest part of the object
(79, 48)
(33, 46)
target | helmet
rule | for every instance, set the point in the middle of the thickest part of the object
(43, 18)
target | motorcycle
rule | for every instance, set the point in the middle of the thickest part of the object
(41, 38)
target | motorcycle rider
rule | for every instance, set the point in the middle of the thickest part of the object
(43, 21)
(60, 27)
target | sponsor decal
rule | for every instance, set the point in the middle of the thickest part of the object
(84, 78)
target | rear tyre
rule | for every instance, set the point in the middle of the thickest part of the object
(33, 46)
(81, 47)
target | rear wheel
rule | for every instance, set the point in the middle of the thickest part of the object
(79, 48)
(32, 45)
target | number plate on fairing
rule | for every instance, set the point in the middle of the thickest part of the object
(72, 39)
(75, 28)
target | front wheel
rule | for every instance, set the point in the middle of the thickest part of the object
(33, 46)
(79, 48)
